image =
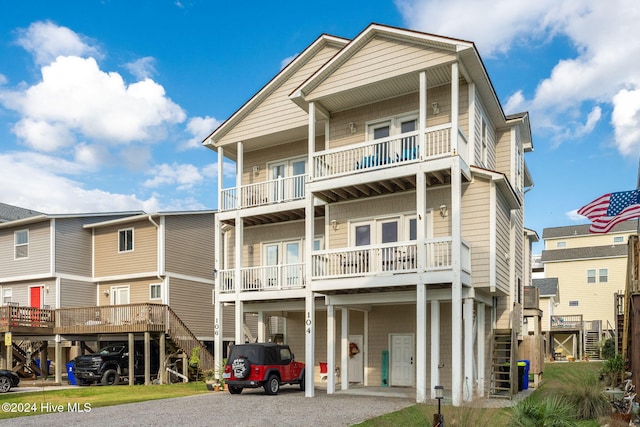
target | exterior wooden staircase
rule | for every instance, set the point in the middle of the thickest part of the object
(503, 365)
(185, 341)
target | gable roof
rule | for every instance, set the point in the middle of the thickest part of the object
(589, 252)
(271, 86)
(583, 230)
(11, 213)
(548, 287)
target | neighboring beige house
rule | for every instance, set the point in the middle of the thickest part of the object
(107, 277)
(378, 206)
(589, 270)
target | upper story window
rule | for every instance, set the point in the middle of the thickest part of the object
(603, 275)
(21, 240)
(125, 240)
(561, 244)
(573, 303)
(591, 276)
(484, 143)
(618, 239)
(7, 293)
(392, 126)
(155, 291)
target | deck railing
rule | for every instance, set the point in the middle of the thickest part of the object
(112, 318)
(264, 193)
(15, 316)
(564, 322)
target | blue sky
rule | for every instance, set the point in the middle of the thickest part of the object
(103, 104)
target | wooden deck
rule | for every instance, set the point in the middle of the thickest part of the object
(23, 320)
(112, 319)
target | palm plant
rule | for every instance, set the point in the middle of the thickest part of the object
(552, 411)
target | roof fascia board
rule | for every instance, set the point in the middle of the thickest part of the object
(503, 183)
(122, 220)
(286, 72)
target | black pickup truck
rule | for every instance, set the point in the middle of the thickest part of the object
(110, 365)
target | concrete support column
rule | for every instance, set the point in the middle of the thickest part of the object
(262, 327)
(44, 356)
(163, 351)
(239, 319)
(421, 343)
(469, 380)
(480, 340)
(132, 358)
(435, 346)
(331, 349)
(344, 349)
(309, 345)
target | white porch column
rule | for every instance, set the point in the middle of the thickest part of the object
(344, 349)
(239, 169)
(58, 358)
(435, 346)
(331, 349)
(262, 327)
(309, 345)
(365, 350)
(456, 252)
(421, 343)
(422, 115)
(480, 316)
(469, 380)
(221, 177)
(311, 141)
(239, 319)
(217, 305)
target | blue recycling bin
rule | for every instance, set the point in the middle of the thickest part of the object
(525, 374)
(70, 375)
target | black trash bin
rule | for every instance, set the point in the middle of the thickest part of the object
(521, 369)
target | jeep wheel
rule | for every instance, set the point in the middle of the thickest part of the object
(272, 385)
(110, 377)
(302, 380)
(5, 384)
(235, 389)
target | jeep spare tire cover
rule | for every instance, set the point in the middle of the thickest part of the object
(240, 367)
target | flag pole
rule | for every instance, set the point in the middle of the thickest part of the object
(638, 188)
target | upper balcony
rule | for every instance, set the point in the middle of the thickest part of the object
(390, 154)
(387, 262)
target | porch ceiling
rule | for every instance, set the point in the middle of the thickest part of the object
(381, 187)
(276, 216)
(385, 89)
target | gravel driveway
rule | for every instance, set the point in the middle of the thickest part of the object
(251, 408)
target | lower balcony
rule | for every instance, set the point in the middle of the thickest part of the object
(14, 318)
(389, 259)
(567, 322)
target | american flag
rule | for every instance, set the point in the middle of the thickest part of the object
(610, 209)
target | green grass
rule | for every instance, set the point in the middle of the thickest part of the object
(559, 379)
(95, 397)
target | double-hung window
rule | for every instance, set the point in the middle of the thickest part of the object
(21, 241)
(125, 240)
(155, 291)
(591, 276)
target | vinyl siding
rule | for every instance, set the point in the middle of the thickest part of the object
(382, 58)
(277, 112)
(75, 293)
(476, 226)
(193, 303)
(596, 300)
(73, 247)
(38, 261)
(138, 290)
(143, 258)
(504, 152)
(20, 292)
(503, 244)
(491, 136)
(189, 245)
(586, 241)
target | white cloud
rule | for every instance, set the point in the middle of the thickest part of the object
(3, 79)
(626, 121)
(77, 95)
(574, 216)
(606, 41)
(43, 136)
(286, 61)
(42, 188)
(143, 68)
(46, 41)
(184, 176)
(200, 128)
(228, 172)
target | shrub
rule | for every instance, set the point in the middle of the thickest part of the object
(552, 411)
(588, 399)
(608, 348)
(613, 368)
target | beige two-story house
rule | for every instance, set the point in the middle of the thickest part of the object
(377, 215)
(589, 271)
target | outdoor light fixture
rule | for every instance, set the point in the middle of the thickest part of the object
(438, 419)
(215, 273)
(435, 107)
(256, 170)
(352, 127)
(444, 212)
(106, 293)
(334, 224)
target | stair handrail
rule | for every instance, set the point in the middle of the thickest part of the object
(186, 340)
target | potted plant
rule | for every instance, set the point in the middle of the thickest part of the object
(194, 361)
(209, 376)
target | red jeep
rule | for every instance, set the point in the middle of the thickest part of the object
(262, 365)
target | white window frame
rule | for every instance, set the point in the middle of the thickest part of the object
(375, 224)
(601, 276)
(124, 230)
(7, 292)
(618, 239)
(17, 245)
(574, 303)
(153, 286)
(484, 141)
(561, 244)
(394, 123)
(591, 276)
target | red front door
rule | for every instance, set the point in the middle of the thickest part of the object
(36, 296)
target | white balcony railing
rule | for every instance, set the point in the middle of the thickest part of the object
(264, 193)
(388, 258)
(384, 153)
